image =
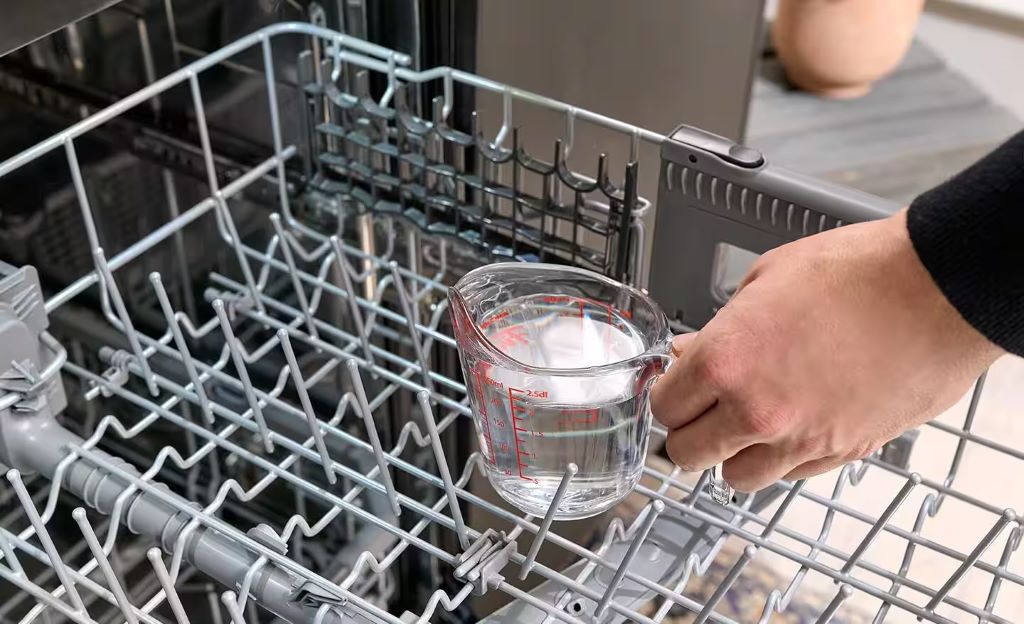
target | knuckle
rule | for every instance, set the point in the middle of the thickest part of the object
(718, 370)
(833, 446)
(861, 450)
(763, 261)
(679, 459)
(812, 446)
(743, 480)
(659, 402)
(681, 452)
(765, 422)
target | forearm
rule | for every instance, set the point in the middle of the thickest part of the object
(969, 235)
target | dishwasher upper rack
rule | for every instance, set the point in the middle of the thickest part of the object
(105, 480)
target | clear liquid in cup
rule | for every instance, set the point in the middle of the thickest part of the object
(532, 426)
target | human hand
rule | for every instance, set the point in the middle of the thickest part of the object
(832, 346)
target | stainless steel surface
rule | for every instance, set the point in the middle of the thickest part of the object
(234, 446)
(634, 62)
(25, 21)
(651, 64)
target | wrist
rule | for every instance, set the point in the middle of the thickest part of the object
(921, 293)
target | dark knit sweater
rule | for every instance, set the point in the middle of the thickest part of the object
(969, 234)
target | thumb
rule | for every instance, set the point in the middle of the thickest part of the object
(682, 342)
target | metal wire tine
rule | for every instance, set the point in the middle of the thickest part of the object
(653, 510)
(204, 132)
(171, 194)
(345, 270)
(307, 405)
(506, 117)
(442, 251)
(1012, 543)
(229, 598)
(211, 171)
(442, 467)
(876, 528)
(179, 341)
(570, 132)
(449, 94)
(954, 466)
(389, 93)
(923, 513)
(373, 260)
(115, 515)
(694, 495)
(147, 59)
(83, 198)
(410, 319)
(275, 127)
(1005, 518)
(254, 292)
(9, 557)
(172, 29)
(122, 313)
(101, 561)
(570, 471)
(243, 374)
(321, 613)
(173, 600)
(845, 591)
(399, 379)
(336, 57)
(693, 564)
(14, 477)
(275, 220)
(371, 432)
(726, 584)
(933, 502)
(786, 502)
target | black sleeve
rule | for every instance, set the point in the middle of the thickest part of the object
(969, 234)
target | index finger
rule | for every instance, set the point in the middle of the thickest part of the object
(679, 397)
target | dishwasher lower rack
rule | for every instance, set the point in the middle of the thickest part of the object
(238, 461)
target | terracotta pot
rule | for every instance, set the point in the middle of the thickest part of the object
(838, 48)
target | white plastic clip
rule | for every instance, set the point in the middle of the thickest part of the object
(482, 562)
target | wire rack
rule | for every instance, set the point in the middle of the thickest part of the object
(243, 459)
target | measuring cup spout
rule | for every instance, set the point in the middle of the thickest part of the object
(467, 335)
(458, 309)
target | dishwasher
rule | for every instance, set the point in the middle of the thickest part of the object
(292, 442)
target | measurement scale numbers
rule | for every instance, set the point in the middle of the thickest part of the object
(533, 426)
(531, 440)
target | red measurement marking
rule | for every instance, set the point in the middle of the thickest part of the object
(570, 420)
(508, 337)
(520, 452)
(582, 302)
(483, 416)
(494, 319)
(601, 304)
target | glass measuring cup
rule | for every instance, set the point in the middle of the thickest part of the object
(558, 363)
